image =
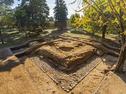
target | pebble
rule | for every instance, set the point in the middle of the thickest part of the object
(104, 60)
(72, 93)
(53, 92)
(67, 90)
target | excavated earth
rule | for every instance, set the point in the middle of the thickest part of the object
(67, 53)
(60, 66)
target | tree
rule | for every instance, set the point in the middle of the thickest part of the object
(22, 19)
(32, 15)
(73, 20)
(61, 13)
(51, 23)
(117, 21)
(112, 12)
(51, 19)
(121, 59)
(99, 15)
(106, 16)
(39, 12)
(6, 19)
(118, 10)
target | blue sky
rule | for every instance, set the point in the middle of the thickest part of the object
(51, 4)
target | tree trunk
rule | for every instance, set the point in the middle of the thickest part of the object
(122, 27)
(104, 28)
(121, 60)
(1, 37)
(123, 36)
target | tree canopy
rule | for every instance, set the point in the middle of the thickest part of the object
(60, 11)
(32, 14)
(60, 14)
(104, 16)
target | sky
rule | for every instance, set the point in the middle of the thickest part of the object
(51, 3)
(71, 7)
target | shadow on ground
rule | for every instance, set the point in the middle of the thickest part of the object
(10, 65)
(56, 33)
(122, 76)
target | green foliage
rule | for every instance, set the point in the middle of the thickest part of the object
(32, 14)
(21, 17)
(60, 14)
(99, 13)
(6, 16)
(93, 13)
(6, 20)
(60, 11)
(74, 19)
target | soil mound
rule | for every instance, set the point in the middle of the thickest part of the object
(67, 53)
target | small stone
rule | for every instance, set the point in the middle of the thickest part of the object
(70, 87)
(99, 52)
(53, 92)
(72, 93)
(63, 87)
(104, 60)
(80, 92)
(67, 90)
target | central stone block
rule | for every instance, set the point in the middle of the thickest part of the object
(66, 52)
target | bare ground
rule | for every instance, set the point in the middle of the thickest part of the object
(28, 78)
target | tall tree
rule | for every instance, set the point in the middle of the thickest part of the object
(61, 13)
(111, 11)
(121, 59)
(117, 9)
(6, 19)
(73, 20)
(32, 14)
